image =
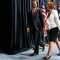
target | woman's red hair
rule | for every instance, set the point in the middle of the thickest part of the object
(50, 5)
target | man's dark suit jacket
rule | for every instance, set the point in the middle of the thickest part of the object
(35, 22)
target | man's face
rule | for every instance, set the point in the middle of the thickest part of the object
(34, 4)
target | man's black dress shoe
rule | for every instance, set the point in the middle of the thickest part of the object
(43, 48)
(59, 54)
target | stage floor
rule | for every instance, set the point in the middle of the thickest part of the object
(25, 55)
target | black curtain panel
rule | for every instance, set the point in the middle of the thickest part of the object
(13, 17)
(6, 24)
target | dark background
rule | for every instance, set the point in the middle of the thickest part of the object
(13, 25)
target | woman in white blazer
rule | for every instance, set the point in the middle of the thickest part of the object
(53, 25)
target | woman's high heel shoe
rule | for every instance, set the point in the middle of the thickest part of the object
(47, 57)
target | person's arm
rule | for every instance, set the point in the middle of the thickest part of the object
(56, 18)
(41, 19)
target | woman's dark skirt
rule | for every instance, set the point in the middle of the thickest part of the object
(53, 34)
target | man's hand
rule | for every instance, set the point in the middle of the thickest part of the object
(28, 29)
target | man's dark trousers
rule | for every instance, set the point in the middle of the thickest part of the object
(36, 37)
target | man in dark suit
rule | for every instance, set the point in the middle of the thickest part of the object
(35, 23)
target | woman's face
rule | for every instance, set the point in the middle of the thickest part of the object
(48, 8)
(59, 7)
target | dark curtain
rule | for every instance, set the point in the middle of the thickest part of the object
(13, 17)
(6, 24)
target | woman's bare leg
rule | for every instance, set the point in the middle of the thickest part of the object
(58, 44)
(50, 48)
